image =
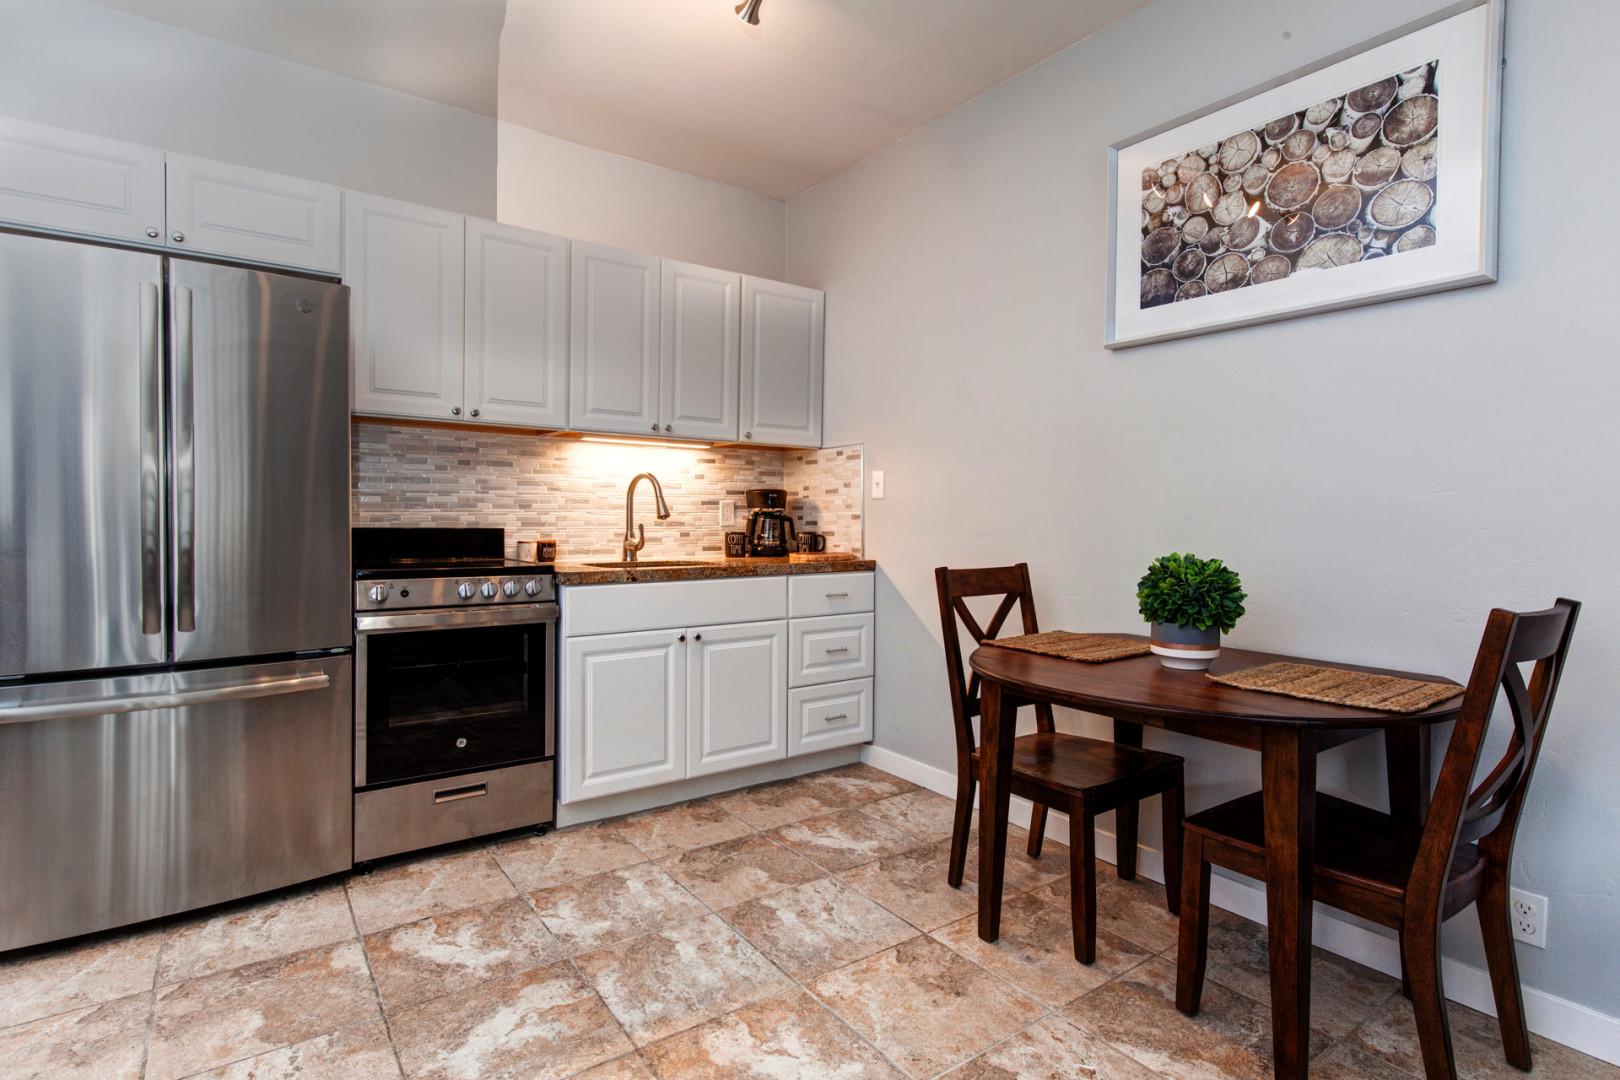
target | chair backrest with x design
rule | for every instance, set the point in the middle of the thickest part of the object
(955, 588)
(1488, 812)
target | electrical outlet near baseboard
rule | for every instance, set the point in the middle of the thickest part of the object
(1528, 914)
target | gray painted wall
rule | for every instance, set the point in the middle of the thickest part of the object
(1381, 477)
(92, 69)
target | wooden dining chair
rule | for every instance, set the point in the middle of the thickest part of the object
(1413, 877)
(1079, 776)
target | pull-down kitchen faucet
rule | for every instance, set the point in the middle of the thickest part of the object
(635, 536)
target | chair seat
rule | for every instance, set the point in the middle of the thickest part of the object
(1356, 846)
(1093, 770)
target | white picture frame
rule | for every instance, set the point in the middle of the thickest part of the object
(1463, 43)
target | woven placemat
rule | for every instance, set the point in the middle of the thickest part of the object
(1336, 686)
(1087, 648)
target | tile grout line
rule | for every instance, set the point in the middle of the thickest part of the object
(371, 975)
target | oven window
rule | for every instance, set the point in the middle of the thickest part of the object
(446, 701)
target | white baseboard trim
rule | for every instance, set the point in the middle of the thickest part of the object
(1552, 1017)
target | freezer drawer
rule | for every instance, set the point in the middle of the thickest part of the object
(410, 817)
(124, 799)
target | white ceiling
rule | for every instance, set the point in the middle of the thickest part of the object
(816, 87)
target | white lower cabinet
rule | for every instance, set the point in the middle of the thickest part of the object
(667, 681)
(736, 689)
(824, 717)
(624, 714)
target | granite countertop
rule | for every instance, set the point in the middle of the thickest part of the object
(582, 573)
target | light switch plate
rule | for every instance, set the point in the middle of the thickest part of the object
(728, 512)
(877, 483)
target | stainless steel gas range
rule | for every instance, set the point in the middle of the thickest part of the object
(454, 700)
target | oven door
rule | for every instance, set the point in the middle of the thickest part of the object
(444, 692)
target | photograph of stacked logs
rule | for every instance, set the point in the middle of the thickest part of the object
(1346, 180)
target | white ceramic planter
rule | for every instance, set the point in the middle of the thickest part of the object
(1185, 648)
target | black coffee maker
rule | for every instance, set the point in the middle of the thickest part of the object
(770, 529)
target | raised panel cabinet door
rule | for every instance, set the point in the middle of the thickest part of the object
(220, 209)
(403, 264)
(517, 326)
(624, 712)
(613, 341)
(699, 332)
(69, 182)
(736, 693)
(782, 361)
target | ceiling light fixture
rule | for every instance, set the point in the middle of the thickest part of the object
(748, 12)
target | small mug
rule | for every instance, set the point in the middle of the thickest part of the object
(736, 544)
(547, 550)
(812, 542)
(527, 551)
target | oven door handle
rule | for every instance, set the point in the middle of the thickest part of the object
(401, 622)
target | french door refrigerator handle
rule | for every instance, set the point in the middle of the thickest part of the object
(68, 710)
(151, 459)
(185, 476)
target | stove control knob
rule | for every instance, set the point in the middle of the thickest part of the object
(378, 594)
(466, 590)
(510, 588)
(532, 587)
(489, 590)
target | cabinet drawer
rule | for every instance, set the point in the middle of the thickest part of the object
(825, 717)
(658, 605)
(414, 816)
(810, 595)
(829, 649)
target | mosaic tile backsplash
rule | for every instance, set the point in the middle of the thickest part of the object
(573, 492)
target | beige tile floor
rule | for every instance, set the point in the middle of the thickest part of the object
(801, 929)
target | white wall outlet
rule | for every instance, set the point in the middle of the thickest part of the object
(877, 483)
(1528, 914)
(728, 512)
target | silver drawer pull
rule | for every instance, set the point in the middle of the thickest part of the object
(840, 716)
(838, 596)
(456, 794)
(839, 649)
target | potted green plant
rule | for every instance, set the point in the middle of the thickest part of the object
(1189, 603)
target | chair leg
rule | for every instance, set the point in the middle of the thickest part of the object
(1171, 807)
(1420, 946)
(1406, 981)
(1496, 927)
(1037, 829)
(1192, 939)
(1083, 881)
(965, 783)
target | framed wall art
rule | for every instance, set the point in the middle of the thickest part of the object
(1366, 177)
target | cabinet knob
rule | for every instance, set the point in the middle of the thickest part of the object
(668, 428)
(153, 232)
(455, 410)
(177, 236)
(655, 427)
(748, 434)
(475, 412)
(697, 637)
(681, 638)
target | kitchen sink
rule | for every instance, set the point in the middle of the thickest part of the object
(647, 564)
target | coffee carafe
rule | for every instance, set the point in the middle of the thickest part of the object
(770, 529)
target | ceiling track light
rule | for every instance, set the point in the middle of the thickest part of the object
(748, 11)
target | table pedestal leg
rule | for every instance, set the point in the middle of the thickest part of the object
(1406, 764)
(995, 791)
(1288, 767)
(1126, 817)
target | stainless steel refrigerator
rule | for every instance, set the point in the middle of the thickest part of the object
(175, 677)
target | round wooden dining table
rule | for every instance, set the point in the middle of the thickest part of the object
(1288, 732)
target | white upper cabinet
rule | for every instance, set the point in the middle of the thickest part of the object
(699, 332)
(68, 182)
(517, 326)
(736, 693)
(781, 363)
(220, 209)
(613, 333)
(403, 264)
